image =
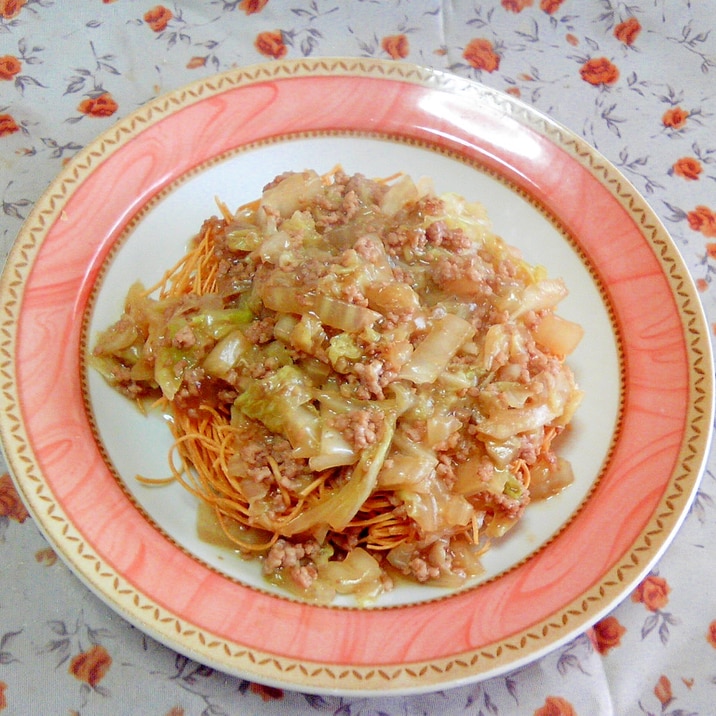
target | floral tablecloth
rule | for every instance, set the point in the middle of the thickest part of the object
(636, 79)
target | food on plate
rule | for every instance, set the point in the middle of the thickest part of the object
(364, 382)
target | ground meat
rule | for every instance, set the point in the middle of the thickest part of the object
(367, 248)
(226, 396)
(122, 379)
(260, 331)
(340, 205)
(184, 338)
(259, 460)
(351, 205)
(233, 276)
(421, 571)
(301, 277)
(438, 234)
(450, 269)
(352, 293)
(296, 558)
(360, 428)
(369, 376)
(284, 554)
(303, 576)
(436, 231)
(372, 191)
(430, 205)
(262, 368)
(510, 506)
(412, 238)
(445, 470)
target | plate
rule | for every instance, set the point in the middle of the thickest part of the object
(125, 208)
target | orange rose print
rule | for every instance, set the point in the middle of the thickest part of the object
(662, 690)
(100, 106)
(675, 118)
(599, 71)
(480, 53)
(267, 693)
(3, 699)
(9, 67)
(252, 6)
(711, 253)
(396, 46)
(607, 634)
(516, 5)
(158, 17)
(46, 556)
(572, 39)
(11, 8)
(711, 634)
(555, 706)
(10, 503)
(628, 31)
(196, 62)
(687, 167)
(550, 6)
(8, 125)
(702, 285)
(91, 666)
(653, 593)
(271, 44)
(702, 219)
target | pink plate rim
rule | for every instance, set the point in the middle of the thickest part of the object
(658, 454)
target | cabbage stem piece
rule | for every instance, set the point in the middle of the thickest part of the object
(407, 472)
(541, 295)
(335, 451)
(226, 353)
(344, 316)
(436, 350)
(557, 334)
(292, 193)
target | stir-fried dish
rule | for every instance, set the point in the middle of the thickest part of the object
(364, 381)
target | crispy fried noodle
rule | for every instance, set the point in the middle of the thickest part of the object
(364, 381)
